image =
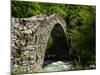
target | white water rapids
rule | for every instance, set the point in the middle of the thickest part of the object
(51, 66)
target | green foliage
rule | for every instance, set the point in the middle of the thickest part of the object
(28, 9)
(82, 31)
(50, 45)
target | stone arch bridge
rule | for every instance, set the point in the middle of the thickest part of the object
(29, 37)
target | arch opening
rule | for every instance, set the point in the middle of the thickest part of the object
(57, 47)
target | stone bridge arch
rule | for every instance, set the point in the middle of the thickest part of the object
(58, 50)
(29, 37)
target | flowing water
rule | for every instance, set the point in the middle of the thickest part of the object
(53, 65)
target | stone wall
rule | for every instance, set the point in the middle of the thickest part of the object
(29, 37)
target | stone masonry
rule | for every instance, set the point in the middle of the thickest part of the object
(29, 37)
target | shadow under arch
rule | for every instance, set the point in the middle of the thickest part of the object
(57, 46)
